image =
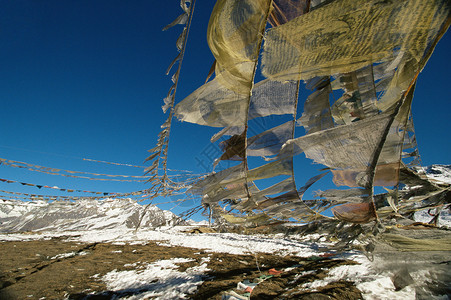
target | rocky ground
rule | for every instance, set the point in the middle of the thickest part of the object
(59, 269)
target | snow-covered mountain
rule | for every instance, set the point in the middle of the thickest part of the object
(82, 215)
(441, 173)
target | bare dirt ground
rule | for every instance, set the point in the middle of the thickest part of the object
(37, 270)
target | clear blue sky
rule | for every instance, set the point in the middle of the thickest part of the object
(85, 79)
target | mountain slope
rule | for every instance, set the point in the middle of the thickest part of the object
(81, 215)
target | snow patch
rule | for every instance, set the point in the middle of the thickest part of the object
(159, 280)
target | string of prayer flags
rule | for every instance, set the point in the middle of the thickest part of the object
(56, 171)
(39, 186)
(113, 163)
(159, 153)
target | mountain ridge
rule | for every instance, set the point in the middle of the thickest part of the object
(81, 215)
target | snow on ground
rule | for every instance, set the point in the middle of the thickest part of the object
(444, 219)
(164, 281)
(175, 236)
(161, 279)
(372, 284)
